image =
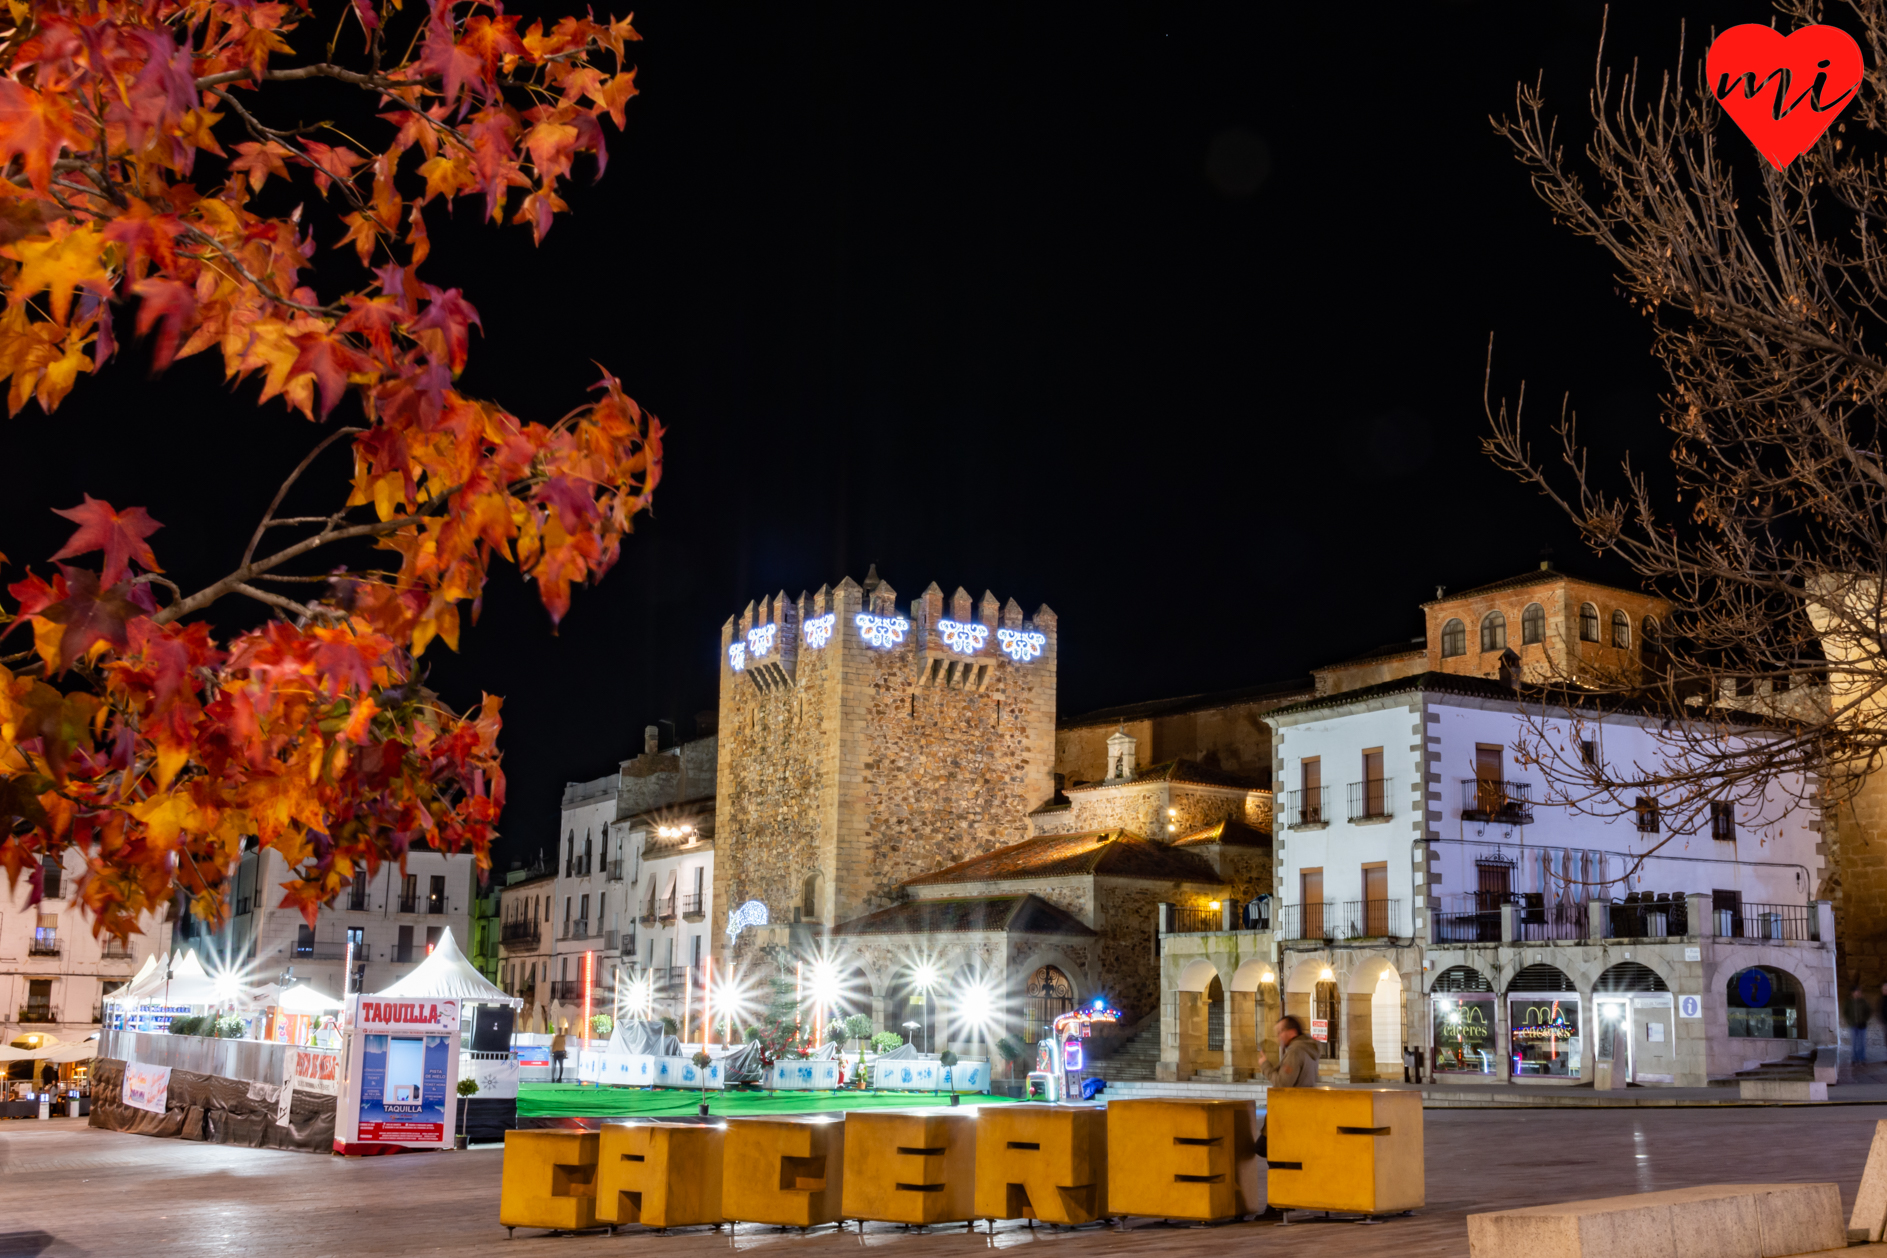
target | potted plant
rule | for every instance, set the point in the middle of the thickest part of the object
(702, 1061)
(468, 1088)
(858, 1027)
(947, 1059)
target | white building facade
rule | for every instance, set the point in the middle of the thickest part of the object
(54, 974)
(602, 914)
(1431, 893)
(391, 921)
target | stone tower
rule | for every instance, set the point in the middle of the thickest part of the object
(862, 744)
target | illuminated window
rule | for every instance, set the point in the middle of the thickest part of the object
(1532, 624)
(1454, 639)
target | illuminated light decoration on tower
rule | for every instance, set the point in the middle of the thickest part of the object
(818, 631)
(760, 640)
(964, 639)
(881, 631)
(1021, 644)
(752, 913)
(737, 656)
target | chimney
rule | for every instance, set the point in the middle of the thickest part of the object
(651, 739)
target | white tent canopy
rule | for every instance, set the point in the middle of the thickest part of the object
(447, 975)
(186, 984)
(303, 998)
(144, 972)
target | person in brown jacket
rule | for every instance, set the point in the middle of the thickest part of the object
(1296, 1069)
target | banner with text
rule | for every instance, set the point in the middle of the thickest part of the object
(146, 1087)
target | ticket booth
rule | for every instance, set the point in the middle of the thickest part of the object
(400, 1069)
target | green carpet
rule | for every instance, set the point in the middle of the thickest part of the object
(569, 1100)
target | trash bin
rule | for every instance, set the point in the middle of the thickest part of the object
(72, 1105)
(45, 1105)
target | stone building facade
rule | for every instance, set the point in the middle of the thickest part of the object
(862, 743)
(1559, 626)
(1223, 731)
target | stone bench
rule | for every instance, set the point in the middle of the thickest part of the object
(1714, 1221)
(1782, 1090)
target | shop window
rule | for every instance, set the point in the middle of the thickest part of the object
(1464, 1009)
(1543, 1024)
(1764, 1004)
(1532, 625)
(1454, 639)
(1588, 623)
(1493, 632)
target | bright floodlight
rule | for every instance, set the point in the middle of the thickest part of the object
(979, 1010)
(925, 976)
(824, 984)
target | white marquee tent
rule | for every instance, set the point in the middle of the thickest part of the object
(447, 975)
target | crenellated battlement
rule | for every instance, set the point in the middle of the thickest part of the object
(865, 738)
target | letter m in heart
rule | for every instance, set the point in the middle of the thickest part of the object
(1784, 90)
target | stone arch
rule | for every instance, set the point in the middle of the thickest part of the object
(1782, 1012)
(1545, 1007)
(1252, 1008)
(1197, 976)
(1372, 991)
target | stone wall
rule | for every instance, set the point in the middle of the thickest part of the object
(860, 767)
(1073, 894)
(1854, 844)
(1156, 809)
(1232, 737)
(1127, 920)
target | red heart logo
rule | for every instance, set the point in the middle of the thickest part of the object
(1784, 90)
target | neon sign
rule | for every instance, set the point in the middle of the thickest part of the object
(760, 639)
(737, 656)
(818, 631)
(881, 631)
(1021, 644)
(964, 639)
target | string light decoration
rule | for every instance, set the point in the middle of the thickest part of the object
(881, 631)
(964, 639)
(737, 656)
(760, 640)
(818, 631)
(1021, 644)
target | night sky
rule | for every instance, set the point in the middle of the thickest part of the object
(1171, 317)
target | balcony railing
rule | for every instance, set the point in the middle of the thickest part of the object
(38, 1013)
(1307, 921)
(1467, 918)
(409, 904)
(648, 913)
(566, 989)
(1504, 803)
(357, 902)
(403, 953)
(691, 905)
(577, 867)
(1662, 917)
(578, 929)
(436, 904)
(628, 944)
(1797, 922)
(521, 933)
(320, 952)
(1307, 808)
(1187, 921)
(1369, 799)
(613, 871)
(43, 946)
(666, 909)
(115, 950)
(1371, 919)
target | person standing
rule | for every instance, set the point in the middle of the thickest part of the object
(559, 1047)
(1859, 1012)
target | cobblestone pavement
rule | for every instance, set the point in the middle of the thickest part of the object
(67, 1190)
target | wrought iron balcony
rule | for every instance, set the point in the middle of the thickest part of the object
(1369, 799)
(1307, 808)
(1307, 921)
(1372, 919)
(1503, 803)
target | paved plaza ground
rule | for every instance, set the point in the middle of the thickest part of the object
(67, 1189)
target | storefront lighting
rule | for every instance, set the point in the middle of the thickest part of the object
(818, 631)
(1021, 644)
(881, 631)
(964, 639)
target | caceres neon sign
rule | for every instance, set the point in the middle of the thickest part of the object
(963, 638)
(881, 631)
(1021, 644)
(818, 631)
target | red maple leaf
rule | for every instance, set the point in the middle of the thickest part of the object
(92, 615)
(453, 315)
(120, 534)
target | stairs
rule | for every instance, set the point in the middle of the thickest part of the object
(1134, 1060)
(1795, 1068)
